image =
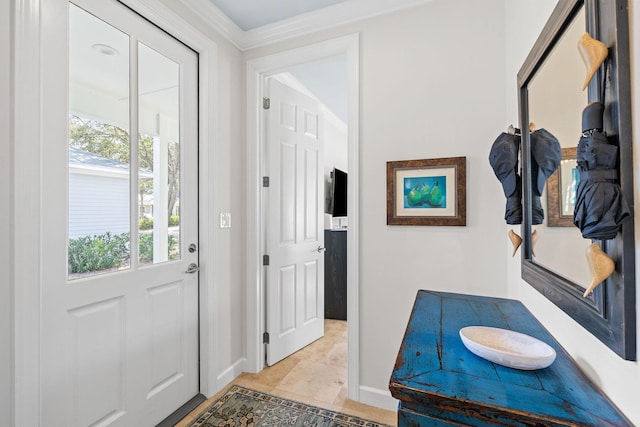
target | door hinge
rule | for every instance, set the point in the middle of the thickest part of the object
(265, 338)
(266, 103)
(265, 181)
(265, 259)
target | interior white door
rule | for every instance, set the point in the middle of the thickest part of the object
(295, 218)
(120, 315)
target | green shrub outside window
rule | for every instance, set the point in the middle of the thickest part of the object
(106, 251)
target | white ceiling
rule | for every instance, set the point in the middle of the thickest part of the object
(250, 14)
(327, 80)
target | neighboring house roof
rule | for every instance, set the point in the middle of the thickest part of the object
(87, 158)
(87, 161)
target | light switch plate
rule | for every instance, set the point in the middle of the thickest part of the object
(225, 220)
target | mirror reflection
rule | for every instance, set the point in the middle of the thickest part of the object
(556, 101)
(561, 190)
(568, 183)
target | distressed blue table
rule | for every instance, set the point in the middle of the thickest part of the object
(441, 383)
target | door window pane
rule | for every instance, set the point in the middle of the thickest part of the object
(99, 146)
(158, 156)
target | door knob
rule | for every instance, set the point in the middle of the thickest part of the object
(321, 249)
(193, 268)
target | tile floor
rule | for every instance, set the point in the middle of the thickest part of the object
(316, 375)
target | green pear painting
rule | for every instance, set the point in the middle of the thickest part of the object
(426, 192)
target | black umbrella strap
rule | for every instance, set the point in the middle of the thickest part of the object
(599, 175)
(603, 88)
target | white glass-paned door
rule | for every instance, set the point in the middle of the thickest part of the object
(119, 337)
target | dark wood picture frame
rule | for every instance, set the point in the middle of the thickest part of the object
(609, 313)
(457, 166)
(554, 194)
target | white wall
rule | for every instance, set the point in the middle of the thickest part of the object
(229, 185)
(618, 378)
(432, 85)
(442, 104)
(6, 296)
(335, 146)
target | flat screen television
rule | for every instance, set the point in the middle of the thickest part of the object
(338, 205)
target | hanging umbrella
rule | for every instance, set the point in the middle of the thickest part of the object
(545, 159)
(600, 206)
(503, 158)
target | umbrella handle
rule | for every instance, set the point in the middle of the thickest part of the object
(592, 117)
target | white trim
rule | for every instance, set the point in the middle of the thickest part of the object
(216, 19)
(255, 296)
(321, 19)
(231, 373)
(353, 206)
(26, 218)
(379, 398)
(6, 228)
(257, 70)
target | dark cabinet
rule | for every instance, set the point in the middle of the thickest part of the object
(335, 274)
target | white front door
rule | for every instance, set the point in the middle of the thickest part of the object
(295, 221)
(120, 295)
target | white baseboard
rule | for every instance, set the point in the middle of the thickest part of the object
(230, 374)
(376, 397)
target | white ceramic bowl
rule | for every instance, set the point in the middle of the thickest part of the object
(507, 348)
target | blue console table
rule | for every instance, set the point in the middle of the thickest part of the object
(440, 383)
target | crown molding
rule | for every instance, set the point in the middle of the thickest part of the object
(321, 19)
(220, 22)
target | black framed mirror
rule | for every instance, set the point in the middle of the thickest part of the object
(558, 269)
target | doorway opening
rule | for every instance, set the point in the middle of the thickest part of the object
(258, 71)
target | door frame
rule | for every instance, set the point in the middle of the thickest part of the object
(39, 30)
(256, 72)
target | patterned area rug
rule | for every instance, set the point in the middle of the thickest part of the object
(242, 407)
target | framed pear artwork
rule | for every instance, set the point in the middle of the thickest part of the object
(427, 192)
